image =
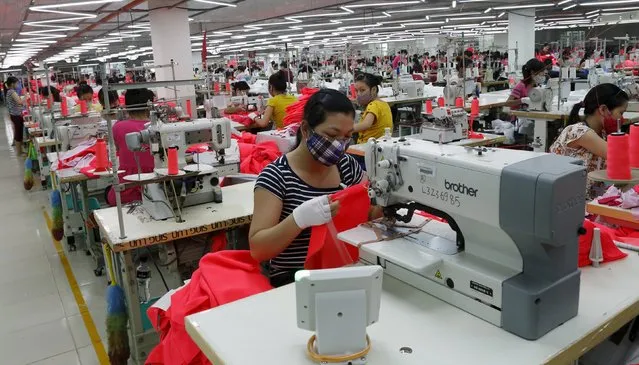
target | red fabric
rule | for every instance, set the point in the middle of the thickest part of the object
(241, 118)
(222, 277)
(245, 137)
(608, 248)
(324, 249)
(198, 148)
(295, 111)
(255, 157)
(611, 200)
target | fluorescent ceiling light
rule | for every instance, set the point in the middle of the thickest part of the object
(452, 15)
(419, 9)
(569, 6)
(473, 18)
(592, 12)
(592, 16)
(514, 7)
(614, 2)
(488, 10)
(453, 4)
(347, 9)
(80, 3)
(563, 2)
(501, 14)
(216, 3)
(386, 14)
(617, 9)
(383, 4)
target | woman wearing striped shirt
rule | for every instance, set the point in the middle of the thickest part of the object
(15, 106)
(291, 194)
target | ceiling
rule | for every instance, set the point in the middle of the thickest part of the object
(81, 30)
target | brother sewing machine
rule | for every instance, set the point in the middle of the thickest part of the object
(514, 216)
(195, 183)
(447, 125)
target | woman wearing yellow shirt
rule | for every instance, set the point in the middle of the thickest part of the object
(377, 115)
(276, 105)
(85, 93)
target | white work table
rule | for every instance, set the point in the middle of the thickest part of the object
(235, 210)
(437, 333)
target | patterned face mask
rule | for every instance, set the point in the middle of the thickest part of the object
(325, 150)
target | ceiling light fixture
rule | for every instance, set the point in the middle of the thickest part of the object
(563, 2)
(386, 14)
(619, 9)
(216, 3)
(501, 14)
(419, 9)
(347, 9)
(614, 2)
(569, 6)
(453, 4)
(383, 4)
(488, 10)
(515, 7)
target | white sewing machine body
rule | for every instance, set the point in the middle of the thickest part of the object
(539, 99)
(202, 188)
(449, 125)
(516, 215)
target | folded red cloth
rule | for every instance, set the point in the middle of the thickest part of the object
(255, 157)
(608, 248)
(610, 200)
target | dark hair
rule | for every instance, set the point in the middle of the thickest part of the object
(84, 89)
(278, 81)
(10, 81)
(98, 82)
(83, 82)
(113, 96)
(241, 86)
(532, 66)
(44, 91)
(323, 103)
(283, 64)
(370, 80)
(138, 97)
(603, 94)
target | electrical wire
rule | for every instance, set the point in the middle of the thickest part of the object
(310, 349)
(158, 269)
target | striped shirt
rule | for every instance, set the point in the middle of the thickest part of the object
(12, 105)
(279, 179)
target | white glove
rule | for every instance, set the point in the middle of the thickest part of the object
(252, 116)
(314, 212)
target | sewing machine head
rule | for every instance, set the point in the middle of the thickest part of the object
(516, 215)
(539, 99)
(447, 125)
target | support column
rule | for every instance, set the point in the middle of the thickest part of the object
(430, 43)
(170, 38)
(521, 36)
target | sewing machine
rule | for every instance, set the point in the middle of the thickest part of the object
(412, 88)
(200, 184)
(457, 88)
(514, 218)
(539, 99)
(448, 125)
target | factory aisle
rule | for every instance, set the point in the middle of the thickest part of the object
(40, 319)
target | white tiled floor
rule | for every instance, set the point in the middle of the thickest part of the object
(39, 318)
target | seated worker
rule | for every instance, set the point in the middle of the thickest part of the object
(377, 116)
(276, 105)
(292, 192)
(603, 106)
(534, 72)
(114, 99)
(44, 91)
(85, 92)
(134, 98)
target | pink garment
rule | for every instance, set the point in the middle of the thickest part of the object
(127, 159)
(518, 92)
(396, 61)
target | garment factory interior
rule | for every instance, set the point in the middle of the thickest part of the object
(188, 182)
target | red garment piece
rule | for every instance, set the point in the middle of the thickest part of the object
(295, 111)
(222, 277)
(198, 148)
(245, 137)
(608, 248)
(324, 250)
(255, 157)
(240, 118)
(611, 200)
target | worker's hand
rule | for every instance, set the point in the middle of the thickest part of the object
(252, 116)
(315, 212)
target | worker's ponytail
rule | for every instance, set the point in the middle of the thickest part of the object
(574, 113)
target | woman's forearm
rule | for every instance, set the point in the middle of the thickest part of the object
(270, 242)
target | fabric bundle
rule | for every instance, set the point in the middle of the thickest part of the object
(608, 247)
(295, 111)
(255, 157)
